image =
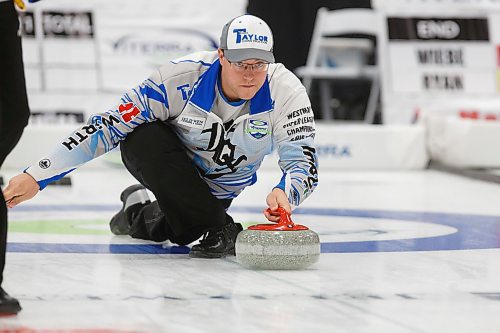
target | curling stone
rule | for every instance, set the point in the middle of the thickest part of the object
(282, 245)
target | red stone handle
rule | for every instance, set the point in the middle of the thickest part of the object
(285, 222)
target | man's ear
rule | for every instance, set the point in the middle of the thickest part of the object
(221, 54)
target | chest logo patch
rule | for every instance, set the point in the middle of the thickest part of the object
(258, 128)
(190, 121)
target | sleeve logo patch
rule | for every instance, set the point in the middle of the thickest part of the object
(196, 122)
(128, 111)
(44, 164)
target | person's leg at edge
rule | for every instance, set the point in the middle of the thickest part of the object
(8, 304)
(14, 114)
(185, 209)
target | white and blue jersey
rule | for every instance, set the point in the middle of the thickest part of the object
(227, 150)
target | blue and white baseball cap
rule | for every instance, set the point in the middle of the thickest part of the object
(247, 37)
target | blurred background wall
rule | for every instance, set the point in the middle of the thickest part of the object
(81, 56)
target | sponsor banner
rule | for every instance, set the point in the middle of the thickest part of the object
(132, 46)
(129, 55)
(33, 78)
(353, 147)
(121, 41)
(68, 24)
(78, 54)
(74, 79)
(31, 53)
(58, 38)
(57, 24)
(482, 111)
(68, 39)
(416, 109)
(59, 50)
(57, 117)
(367, 147)
(38, 140)
(464, 142)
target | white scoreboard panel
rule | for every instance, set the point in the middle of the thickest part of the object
(439, 56)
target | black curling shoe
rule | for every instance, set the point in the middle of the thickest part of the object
(217, 243)
(8, 305)
(134, 198)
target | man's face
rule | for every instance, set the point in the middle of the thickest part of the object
(242, 80)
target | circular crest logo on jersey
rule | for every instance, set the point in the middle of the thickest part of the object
(257, 128)
(44, 164)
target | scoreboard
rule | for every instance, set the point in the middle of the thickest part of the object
(439, 56)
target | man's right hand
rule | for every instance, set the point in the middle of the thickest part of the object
(277, 198)
(21, 188)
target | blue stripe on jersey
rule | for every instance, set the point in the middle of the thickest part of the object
(262, 101)
(248, 180)
(204, 94)
(44, 182)
(281, 184)
(164, 91)
(153, 94)
(140, 98)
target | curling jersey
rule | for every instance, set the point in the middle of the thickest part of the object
(186, 93)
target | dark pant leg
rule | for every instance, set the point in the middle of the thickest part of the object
(185, 208)
(14, 110)
(14, 107)
(3, 234)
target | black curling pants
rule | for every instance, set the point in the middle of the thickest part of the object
(185, 208)
(14, 110)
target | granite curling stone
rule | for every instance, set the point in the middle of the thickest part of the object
(282, 245)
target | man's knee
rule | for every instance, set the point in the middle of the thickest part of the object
(151, 146)
(150, 223)
(150, 136)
